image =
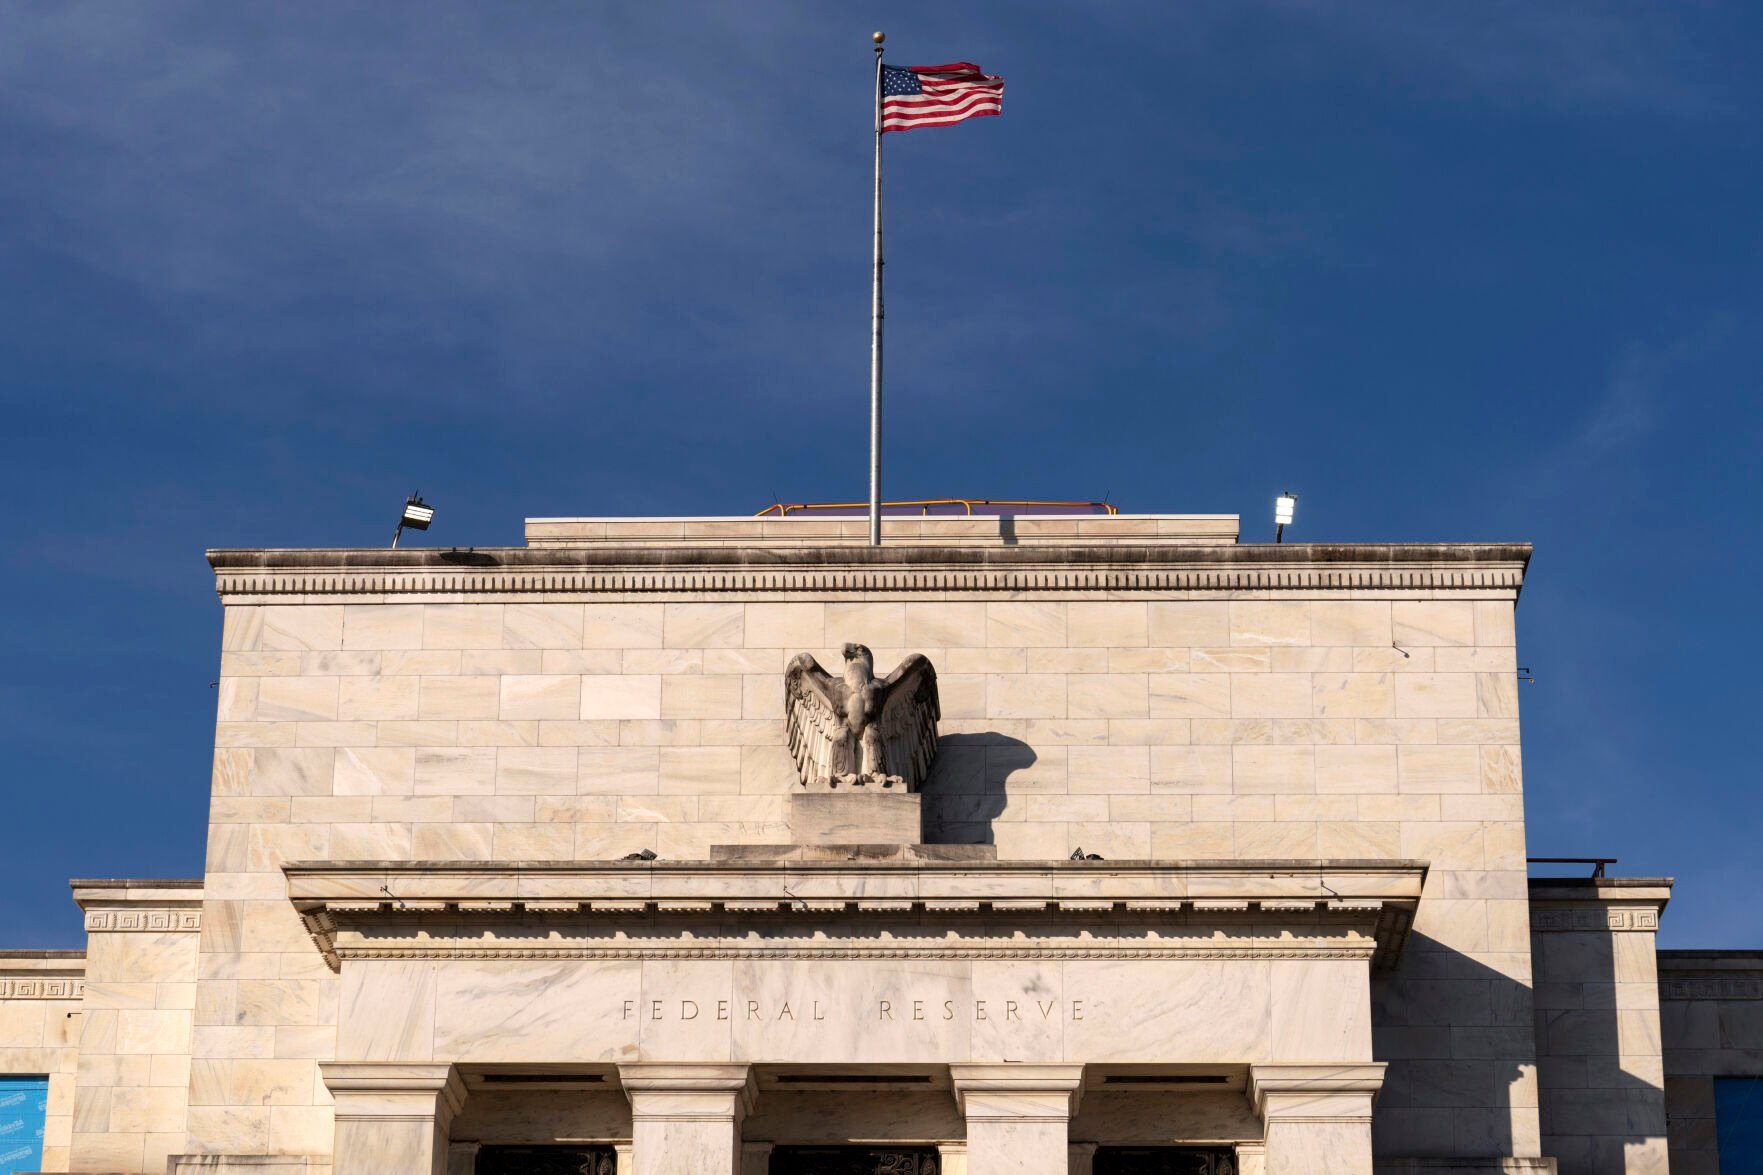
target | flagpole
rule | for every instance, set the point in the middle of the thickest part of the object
(875, 311)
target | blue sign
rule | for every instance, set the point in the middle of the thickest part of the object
(24, 1103)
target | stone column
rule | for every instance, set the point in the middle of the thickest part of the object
(621, 1158)
(1317, 1116)
(1081, 1158)
(952, 1158)
(1017, 1116)
(686, 1116)
(1251, 1158)
(392, 1116)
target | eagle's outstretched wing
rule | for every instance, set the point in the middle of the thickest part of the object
(818, 739)
(908, 720)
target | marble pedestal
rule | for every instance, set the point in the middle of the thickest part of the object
(857, 815)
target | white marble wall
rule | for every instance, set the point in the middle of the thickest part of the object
(136, 1070)
(1323, 725)
(40, 1017)
(845, 1013)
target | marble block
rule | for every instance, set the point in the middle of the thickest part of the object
(862, 815)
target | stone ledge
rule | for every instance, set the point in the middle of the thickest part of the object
(859, 909)
(1493, 570)
(588, 880)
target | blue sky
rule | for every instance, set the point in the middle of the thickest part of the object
(1449, 271)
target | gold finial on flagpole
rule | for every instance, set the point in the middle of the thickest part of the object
(878, 37)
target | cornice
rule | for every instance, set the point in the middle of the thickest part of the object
(258, 576)
(1600, 917)
(42, 975)
(1002, 910)
(1711, 975)
(141, 905)
(41, 987)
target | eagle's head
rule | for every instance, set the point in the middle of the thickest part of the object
(857, 652)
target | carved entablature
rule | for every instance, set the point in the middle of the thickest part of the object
(1488, 571)
(983, 910)
(42, 975)
(1711, 989)
(1584, 918)
(41, 987)
(172, 921)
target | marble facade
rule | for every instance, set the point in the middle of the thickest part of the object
(1308, 939)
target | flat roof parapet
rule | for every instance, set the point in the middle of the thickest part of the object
(93, 894)
(822, 531)
(13, 957)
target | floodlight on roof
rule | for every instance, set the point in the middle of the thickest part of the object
(417, 515)
(1284, 507)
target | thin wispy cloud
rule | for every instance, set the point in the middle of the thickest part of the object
(1439, 267)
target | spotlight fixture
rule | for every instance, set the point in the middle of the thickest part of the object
(1284, 507)
(417, 515)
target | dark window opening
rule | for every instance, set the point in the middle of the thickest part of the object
(1165, 1160)
(546, 1160)
(854, 1160)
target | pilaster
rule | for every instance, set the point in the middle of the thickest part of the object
(687, 1117)
(1599, 1053)
(392, 1116)
(1080, 1158)
(142, 943)
(1018, 1116)
(1317, 1117)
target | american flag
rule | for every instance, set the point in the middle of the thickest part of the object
(937, 95)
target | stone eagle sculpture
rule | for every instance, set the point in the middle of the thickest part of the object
(856, 730)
